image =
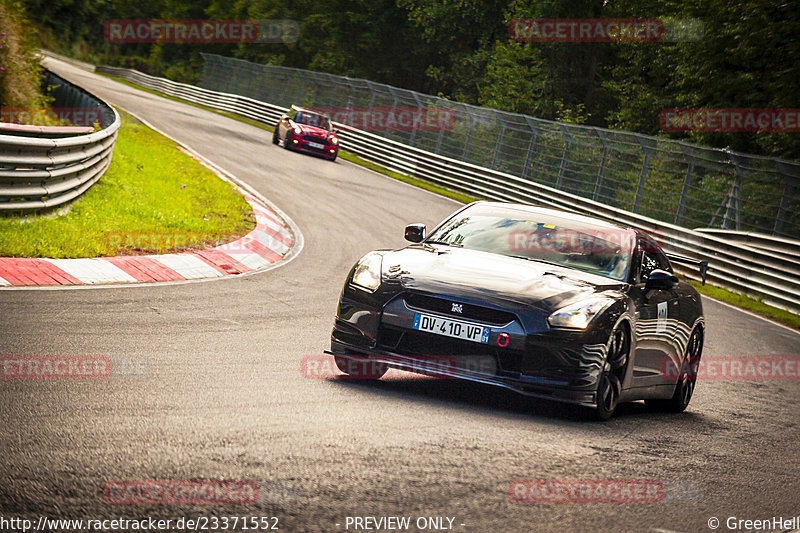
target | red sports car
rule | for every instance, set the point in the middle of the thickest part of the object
(307, 131)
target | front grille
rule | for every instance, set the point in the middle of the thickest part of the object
(473, 312)
(422, 344)
(314, 138)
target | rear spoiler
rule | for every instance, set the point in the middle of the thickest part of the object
(703, 265)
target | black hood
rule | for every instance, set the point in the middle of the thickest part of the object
(490, 277)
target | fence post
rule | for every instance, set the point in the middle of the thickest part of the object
(789, 185)
(414, 122)
(643, 175)
(439, 141)
(531, 146)
(687, 182)
(499, 140)
(469, 135)
(601, 173)
(394, 106)
(734, 199)
(564, 156)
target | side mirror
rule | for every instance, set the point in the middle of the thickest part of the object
(660, 280)
(415, 232)
(336, 132)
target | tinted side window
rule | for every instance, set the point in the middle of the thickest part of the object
(649, 263)
(652, 258)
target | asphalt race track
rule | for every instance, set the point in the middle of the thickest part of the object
(219, 393)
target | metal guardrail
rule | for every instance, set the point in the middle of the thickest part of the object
(677, 182)
(38, 171)
(739, 267)
(768, 243)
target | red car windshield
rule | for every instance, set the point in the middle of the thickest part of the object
(313, 119)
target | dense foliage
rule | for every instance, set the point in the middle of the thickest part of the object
(748, 57)
(19, 68)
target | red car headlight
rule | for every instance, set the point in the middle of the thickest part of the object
(333, 139)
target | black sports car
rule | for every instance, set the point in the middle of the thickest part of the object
(544, 302)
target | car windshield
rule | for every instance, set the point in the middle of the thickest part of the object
(550, 237)
(313, 119)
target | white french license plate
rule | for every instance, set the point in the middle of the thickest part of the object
(316, 145)
(452, 328)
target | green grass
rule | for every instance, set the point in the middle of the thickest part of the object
(751, 304)
(153, 198)
(407, 179)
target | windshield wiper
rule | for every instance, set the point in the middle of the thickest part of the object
(444, 243)
(537, 260)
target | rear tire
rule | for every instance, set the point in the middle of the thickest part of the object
(684, 388)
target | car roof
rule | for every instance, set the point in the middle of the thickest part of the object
(304, 110)
(548, 214)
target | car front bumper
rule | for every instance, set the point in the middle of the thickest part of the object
(302, 145)
(547, 363)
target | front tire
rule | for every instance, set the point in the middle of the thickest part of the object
(287, 141)
(684, 388)
(609, 385)
(275, 137)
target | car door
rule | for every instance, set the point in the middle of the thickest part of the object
(283, 124)
(656, 323)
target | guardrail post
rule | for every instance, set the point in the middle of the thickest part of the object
(563, 167)
(642, 176)
(601, 173)
(687, 182)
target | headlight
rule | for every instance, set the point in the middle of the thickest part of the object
(297, 130)
(334, 140)
(368, 272)
(578, 316)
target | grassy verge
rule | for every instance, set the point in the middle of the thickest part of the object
(407, 179)
(751, 304)
(152, 199)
